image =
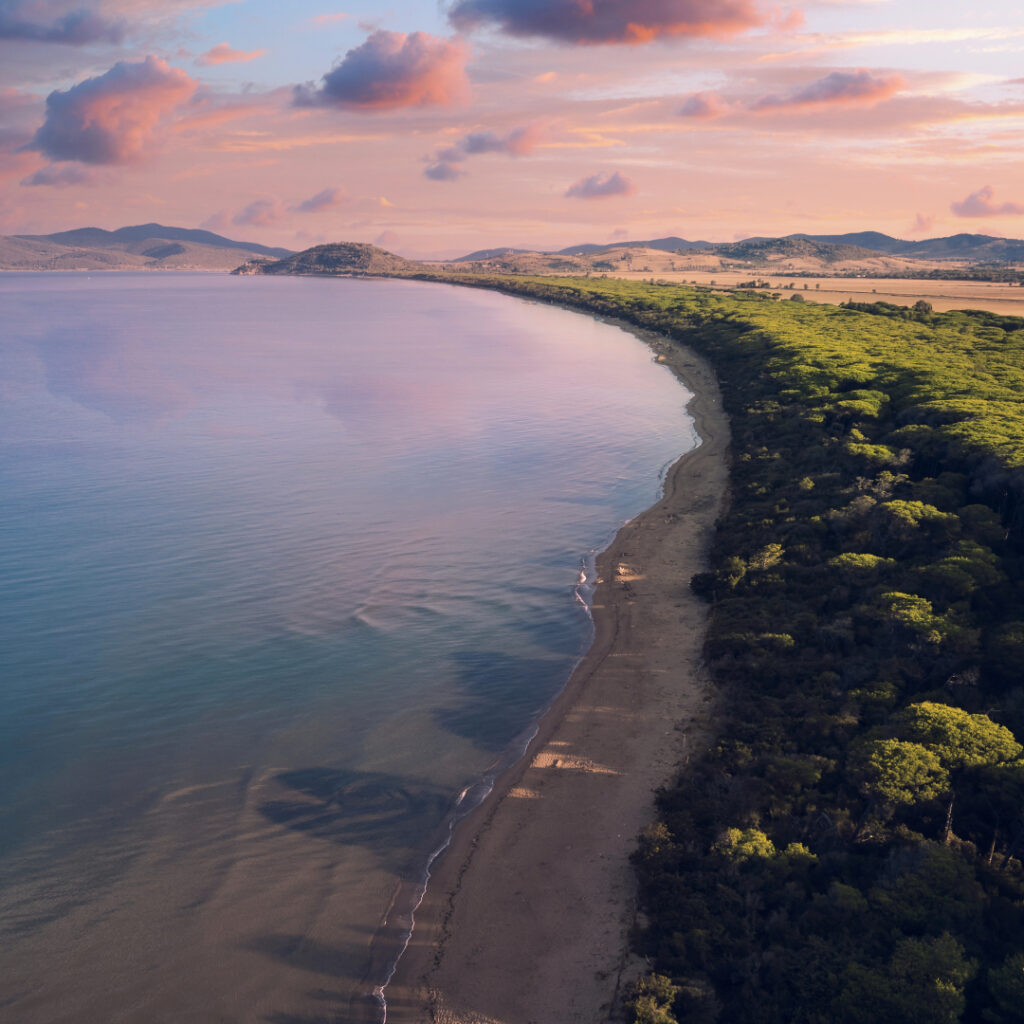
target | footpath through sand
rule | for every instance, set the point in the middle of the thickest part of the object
(528, 913)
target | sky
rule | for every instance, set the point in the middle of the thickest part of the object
(437, 128)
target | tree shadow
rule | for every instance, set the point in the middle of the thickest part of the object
(306, 954)
(499, 695)
(354, 808)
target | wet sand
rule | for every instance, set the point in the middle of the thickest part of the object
(527, 916)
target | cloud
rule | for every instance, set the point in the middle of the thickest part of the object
(599, 186)
(518, 142)
(922, 224)
(328, 19)
(59, 177)
(392, 70)
(260, 213)
(325, 200)
(980, 204)
(823, 42)
(608, 21)
(218, 222)
(703, 106)
(112, 119)
(446, 164)
(840, 88)
(76, 28)
(223, 54)
(444, 170)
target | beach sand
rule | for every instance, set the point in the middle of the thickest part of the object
(527, 915)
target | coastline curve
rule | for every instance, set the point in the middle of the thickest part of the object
(529, 908)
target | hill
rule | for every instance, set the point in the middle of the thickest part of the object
(140, 247)
(490, 254)
(973, 247)
(981, 248)
(338, 258)
(670, 244)
(763, 250)
(873, 240)
(834, 248)
(750, 257)
(98, 238)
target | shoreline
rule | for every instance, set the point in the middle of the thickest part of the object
(528, 911)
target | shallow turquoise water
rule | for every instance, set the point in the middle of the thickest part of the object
(286, 565)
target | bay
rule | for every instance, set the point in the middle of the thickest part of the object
(287, 566)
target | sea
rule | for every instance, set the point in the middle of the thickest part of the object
(289, 569)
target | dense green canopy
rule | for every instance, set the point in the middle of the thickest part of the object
(866, 643)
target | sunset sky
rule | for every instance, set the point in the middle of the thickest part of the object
(438, 128)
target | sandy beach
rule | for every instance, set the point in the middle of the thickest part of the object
(527, 916)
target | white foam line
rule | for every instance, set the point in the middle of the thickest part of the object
(462, 810)
(584, 591)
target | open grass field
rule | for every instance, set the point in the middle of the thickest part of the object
(943, 295)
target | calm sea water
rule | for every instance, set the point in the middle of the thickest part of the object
(285, 566)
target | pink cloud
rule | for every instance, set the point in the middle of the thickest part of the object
(223, 54)
(980, 204)
(444, 170)
(60, 177)
(609, 21)
(218, 222)
(113, 118)
(922, 224)
(703, 106)
(392, 70)
(518, 142)
(839, 88)
(76, 28)
(260, 213)
(601, 186)
(325, 200)
(446, 164)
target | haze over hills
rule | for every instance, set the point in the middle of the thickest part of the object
(139, 247)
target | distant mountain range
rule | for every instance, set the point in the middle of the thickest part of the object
(140, 247)
(159, 247)
(976, 248)
(962, 246)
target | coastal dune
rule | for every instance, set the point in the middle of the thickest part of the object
(527, 917)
